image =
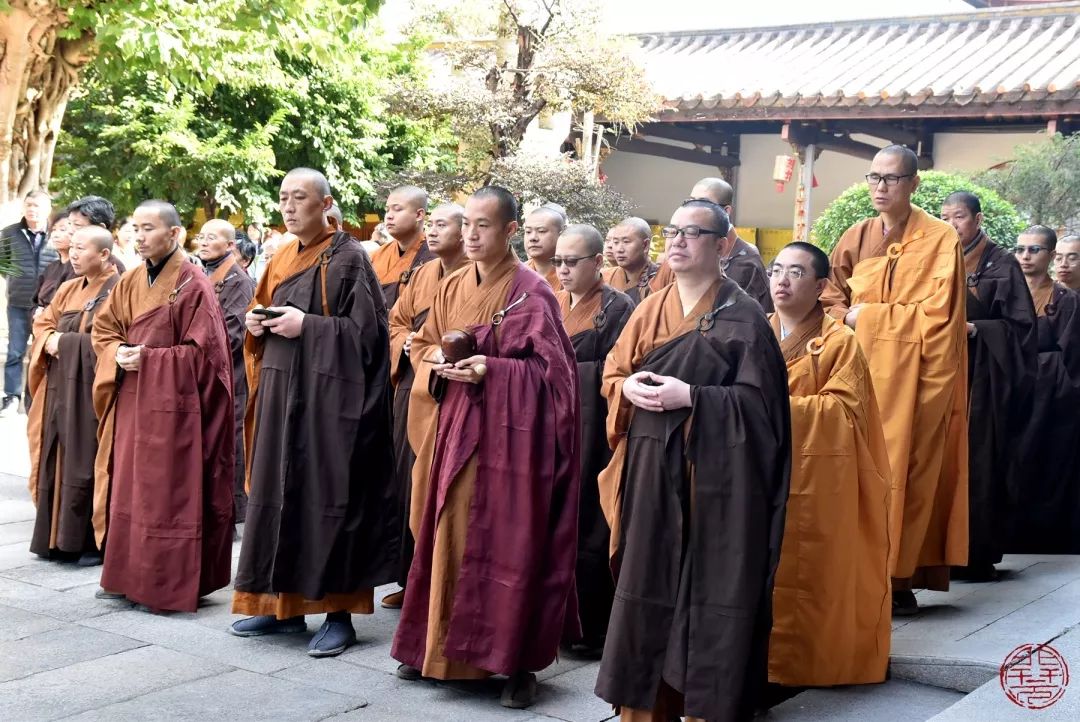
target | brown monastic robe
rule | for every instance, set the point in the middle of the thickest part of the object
(910, 284)
(636, 288)
(415, 297)
(743, 265)
(695, 498)
(59, 272)
(393, 267)
(322, 525)
(593, 325)
(1002, 365)
(165, 438)
(234, 289)
(831, 604)
(552, 277)
(62, 426)
(1046, 492)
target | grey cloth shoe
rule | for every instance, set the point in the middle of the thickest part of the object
(520, 691)
(332, 639)
(102, 594)
(267, 624)
(406, 672)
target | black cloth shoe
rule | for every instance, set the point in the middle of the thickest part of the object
(406, 672)
(90, 559)
(333, 638)
(267, 624)
(904, 604)
(519, 691)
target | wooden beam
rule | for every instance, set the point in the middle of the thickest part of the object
(878, 129)
(713, 139)
(687, 155)
(803, 134)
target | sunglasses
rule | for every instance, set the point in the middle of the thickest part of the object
(569, 261)
(1033, 250)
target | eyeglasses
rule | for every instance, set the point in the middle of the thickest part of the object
(1067, 259)
(890, 180)
(687, 231)
(1033, 250)
(793, 273)
(569, 261)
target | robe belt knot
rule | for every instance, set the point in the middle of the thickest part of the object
(815, 346)
(498, 316)
(895, 251)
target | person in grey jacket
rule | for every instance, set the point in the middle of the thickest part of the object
(24, 254)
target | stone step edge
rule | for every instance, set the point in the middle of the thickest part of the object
(961, 675)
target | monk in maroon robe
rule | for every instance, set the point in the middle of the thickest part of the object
(593, 314)
(1046, 493)
(215, 245)
(491, 588)
(62, 427)
(163, 393)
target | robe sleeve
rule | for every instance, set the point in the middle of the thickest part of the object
(836, 298)
(44, 324)
(235, 299)
(110, 330)
(401, 317)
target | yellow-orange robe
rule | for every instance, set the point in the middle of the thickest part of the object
(912, 328)
(394, 267)
(551, 277)
(831, 601)
(637, 288)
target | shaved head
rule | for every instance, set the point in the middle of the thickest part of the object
(638, 226)
(165, 211)
(908, 159)
(96, 236)
(717, 190)
(450, 211)
(334, 214)
(553, 213)
(315, 178)
(223, 227)
(412, 195)
(594, 242)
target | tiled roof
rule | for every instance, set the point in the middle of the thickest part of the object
(1002, 61)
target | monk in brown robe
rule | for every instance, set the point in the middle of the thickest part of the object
(898, 280)
(831, 603)
(406, 319)
(742, 263)
(1002, 363)
(491, 587)
(322, 525)
(1067, 262)
(1046, 494)
(406, 209)
(633, 271)
(695, 492)
(163, 394)
(62, 427)
(215, 245)
(541, 231)
(593, 315)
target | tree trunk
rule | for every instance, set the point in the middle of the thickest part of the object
(37, 73)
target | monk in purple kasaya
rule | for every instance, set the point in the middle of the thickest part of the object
(495, 486)
(163, 395)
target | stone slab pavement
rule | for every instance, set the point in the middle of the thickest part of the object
(64, 654)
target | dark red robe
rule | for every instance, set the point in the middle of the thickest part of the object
(170, 450)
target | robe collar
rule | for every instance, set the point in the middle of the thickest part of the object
(794, 345)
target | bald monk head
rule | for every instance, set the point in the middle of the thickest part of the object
(717, 190)
(1034, 250)
(406, 208)
(490, 221)
(963, 211)
(304, 200)
(158, 230)
(893, 179)
(444, 238)
(542, 229)
(796, 279)
(630, 243)
(216, 238)
(696, 238)
(1067, 262)
(91, 249)
(579, 256)
(335, 218)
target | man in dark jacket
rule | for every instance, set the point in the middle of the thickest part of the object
(23, 255)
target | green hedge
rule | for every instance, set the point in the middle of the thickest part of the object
(1001, 221)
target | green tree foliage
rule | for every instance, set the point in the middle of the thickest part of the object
(1002, 223)
(139, 136)
(1043, 181)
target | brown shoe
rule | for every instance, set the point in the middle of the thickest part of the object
(520, 691)
(393, 601)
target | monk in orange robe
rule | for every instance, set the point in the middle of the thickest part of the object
(62, 426)
(593, 314)
(495, 484)
(321, 528)
(163, 393)
(406, 210)
(629, 242)
(541, 231)
(898, 280)
(406, 319)
(831, 603)
(698, 417)
(742, 263)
